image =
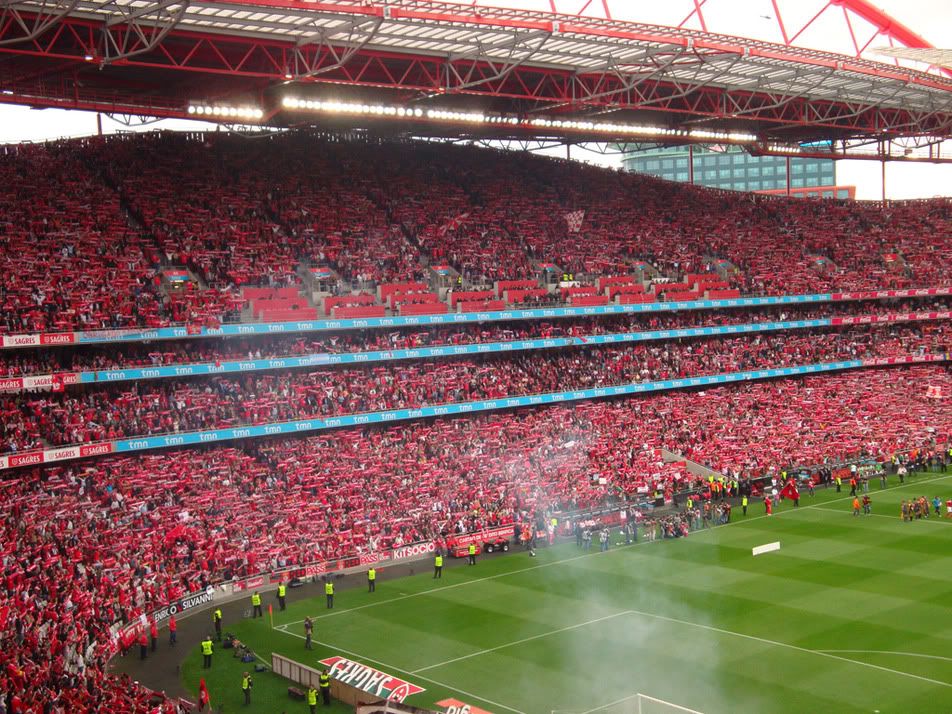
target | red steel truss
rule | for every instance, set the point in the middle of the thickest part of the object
(153, 57)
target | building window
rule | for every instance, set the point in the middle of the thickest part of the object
(652, 165)
(724, 173)
(667, 164)
(681, 163)
(827, 194)
(710, 175)
(682, 176)
(753, 171)
(768, 170)
(813, 168)
(813, 181)
(740, 173)
(754, 185)
(796, 168)
(843, 193)
(796, 183)
(710, 160)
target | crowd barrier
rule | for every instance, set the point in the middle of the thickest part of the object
(272, 328)
(230, 590)
(303, 426)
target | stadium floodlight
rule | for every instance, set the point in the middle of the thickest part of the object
(540, 122)
(245, 113)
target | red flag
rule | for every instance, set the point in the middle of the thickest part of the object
(270, 610)
(203, 697)
(57, 384)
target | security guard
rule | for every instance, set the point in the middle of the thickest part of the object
(326, 688)
(743, 504)
(312, 698)
(329, 591)
(216, 618)
(438, 566)
(256, 604)
(472, 554)
(207, 652)
(246, 687)
(282, 593)
(372, 580)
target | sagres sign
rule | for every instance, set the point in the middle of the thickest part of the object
(370, 680)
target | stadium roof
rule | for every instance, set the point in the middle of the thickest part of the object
(537, 71)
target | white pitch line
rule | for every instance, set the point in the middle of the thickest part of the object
(890, 652)
(522, 641)
(611, 704)
(820, 653)
(377, 603)
(394, 668)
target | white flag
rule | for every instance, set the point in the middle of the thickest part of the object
(574, 219)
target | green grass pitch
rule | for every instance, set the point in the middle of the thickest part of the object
(851, 615)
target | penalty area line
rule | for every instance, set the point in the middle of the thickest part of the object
(891, 652)
(522, 641)
(819, 653)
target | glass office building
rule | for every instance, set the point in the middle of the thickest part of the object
(735, 169)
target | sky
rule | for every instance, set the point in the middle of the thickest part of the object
(932, 19)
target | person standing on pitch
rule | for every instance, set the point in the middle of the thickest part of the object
(472, 554)
(743, 504)
(207, 651)
(372, 580)
(329, 592)
(312, 698)
(216, 619)
(308, 633)
(246, 687)
(326, 688)
(282, 595)
(438, 565)
(256, 604)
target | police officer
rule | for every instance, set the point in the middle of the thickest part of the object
(282, 593)
(326, 688)
(312, 698)
(372, 580)
(743, 504)
(246, 687)
(329, 592)
(216, 618)
(207, 652)
(472, 554)
(438, 565)
(256, 604)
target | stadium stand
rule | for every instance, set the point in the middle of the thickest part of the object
(93, 232)
(237, 213)
(105, 541)
(118, 411)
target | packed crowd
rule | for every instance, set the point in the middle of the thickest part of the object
(99, 543)
(86, 229)
(210, 350)
(110, 214)
(170, 406)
